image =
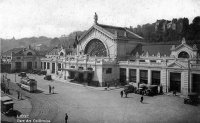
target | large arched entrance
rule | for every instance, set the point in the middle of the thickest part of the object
(96, 48)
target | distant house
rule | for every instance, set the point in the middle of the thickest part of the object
(40, 47)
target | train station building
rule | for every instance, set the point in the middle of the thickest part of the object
(115, 54)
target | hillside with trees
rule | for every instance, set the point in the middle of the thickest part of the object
(166, 30)
(65, 40)
(160, 31)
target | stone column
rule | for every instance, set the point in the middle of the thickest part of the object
(44, 66)
(50, 64)
(65, 67)
(56, 67)
(127, 75)
(149, 76)
(85, 76)
(13, 67)
(41, 65)
(137, 75)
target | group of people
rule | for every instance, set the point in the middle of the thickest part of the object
(126, 93)
(51, 89)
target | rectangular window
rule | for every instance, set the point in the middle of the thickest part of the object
(142, 60)
(155, 77)
(144, 76)
(48, 65)
(41, 65)
(59, 66)
(44, 65)
(36, 65)
(153, 61)
(132, 75)
(108, 70)
(90, 68)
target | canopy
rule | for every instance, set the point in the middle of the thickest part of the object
(80, 71)
(7, 103)
(6, 98)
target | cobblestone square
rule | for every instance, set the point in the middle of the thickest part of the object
(86, 104)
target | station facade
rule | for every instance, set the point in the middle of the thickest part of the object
(115, 54)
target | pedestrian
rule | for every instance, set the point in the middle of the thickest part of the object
(53, 89)
(126, 93)
(115, 84)
(49, 89)
(121, 93)
(108, 85)
(174, 92)
(66, 118)
(142, 98)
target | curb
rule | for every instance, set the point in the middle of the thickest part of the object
(11, 96)
(96, 88)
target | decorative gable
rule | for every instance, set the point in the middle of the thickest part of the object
(183, 48)
(176, 65)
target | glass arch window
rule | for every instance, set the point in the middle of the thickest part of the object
(183, 54)
(29, 54)
(95, 47)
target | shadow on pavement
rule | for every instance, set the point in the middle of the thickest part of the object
(128, 97)
(51, 93)
(38, 91)
(145, 103)
(27, 97)
(6, 122)
(14, 113)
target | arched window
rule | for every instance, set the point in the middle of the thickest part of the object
(29, 54)
(96, 47)
(183, 54)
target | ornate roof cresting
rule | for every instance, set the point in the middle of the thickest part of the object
(95, 18)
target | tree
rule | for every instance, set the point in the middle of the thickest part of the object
(55, 42)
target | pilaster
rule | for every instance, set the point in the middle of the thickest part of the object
(127, 75)
(149, 76)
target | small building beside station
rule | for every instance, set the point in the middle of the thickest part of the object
(21, 59)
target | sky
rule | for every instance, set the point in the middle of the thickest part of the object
(53, 18)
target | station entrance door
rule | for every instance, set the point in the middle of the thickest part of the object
(175, 82)
(196, 83)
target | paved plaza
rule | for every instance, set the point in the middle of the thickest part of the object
(95, 105)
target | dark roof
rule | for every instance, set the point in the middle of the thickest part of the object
(53, 51)
(14, 50)
(41, 53)
(71, 50)
(154, 49)
(120, 32)
(113, 32)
